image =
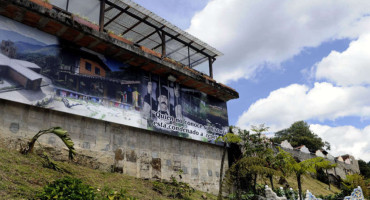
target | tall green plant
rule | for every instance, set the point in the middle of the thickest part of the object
(258, 159)
(61, 133)
(67, 188)
(326, 165)
(353, 181)
(226, 139)
(300, 168)
(256, 146)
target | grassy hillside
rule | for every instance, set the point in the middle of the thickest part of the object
(21, 177)
(313, 185)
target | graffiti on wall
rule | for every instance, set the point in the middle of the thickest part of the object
(41, 70)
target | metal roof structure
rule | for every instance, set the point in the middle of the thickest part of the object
(75, 30)
(145, 28)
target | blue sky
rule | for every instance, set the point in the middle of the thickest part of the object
(289, 61)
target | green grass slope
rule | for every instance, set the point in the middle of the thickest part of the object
(23, 176)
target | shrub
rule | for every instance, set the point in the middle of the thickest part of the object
(173, 188)
(109, 194)
(243, 196)
(67, 188)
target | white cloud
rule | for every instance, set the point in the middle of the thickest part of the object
(298, 102)
(351, 141)
(253, 34)
(351, 67)
(256, 34)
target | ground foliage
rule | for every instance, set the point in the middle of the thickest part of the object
(347, 186)
(259, 161)
(67, 188)
(174, 189)
(24, 176)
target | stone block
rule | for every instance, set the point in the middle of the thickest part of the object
(195, 172)
(176, 165)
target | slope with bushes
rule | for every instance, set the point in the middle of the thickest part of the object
(25, 176)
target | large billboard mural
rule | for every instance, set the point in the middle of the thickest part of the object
(40, 70)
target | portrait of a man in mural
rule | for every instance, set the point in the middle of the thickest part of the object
(163, 102)
(135, 99)
(147, 102)
(178, 108)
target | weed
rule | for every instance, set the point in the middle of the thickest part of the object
(173, 189)
(108, 194)
(67, 188)
(51, 164)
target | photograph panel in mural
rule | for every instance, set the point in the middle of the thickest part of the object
(38, 69)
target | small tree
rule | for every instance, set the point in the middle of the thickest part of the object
(326, 165)
(272, 163)
(257, 160)
(353, 181)
(61, 133)
(301, 168)
(283, 162)
(226, 139)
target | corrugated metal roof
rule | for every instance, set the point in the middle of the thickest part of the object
(140, 25)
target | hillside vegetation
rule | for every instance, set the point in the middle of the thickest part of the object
(23, 176)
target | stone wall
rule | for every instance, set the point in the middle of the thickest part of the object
(136, 152)
(341, 170)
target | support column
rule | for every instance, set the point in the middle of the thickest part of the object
(210, 62)
(67, 5)
(101, 15)
(163, 38)
(189, 56)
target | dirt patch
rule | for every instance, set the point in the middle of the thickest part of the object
(131, 156)
(118, 155)
(156, 164)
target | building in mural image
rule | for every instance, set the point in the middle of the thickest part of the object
(136, 93)
(91, 84)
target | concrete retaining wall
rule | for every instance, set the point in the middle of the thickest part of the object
(136, 152)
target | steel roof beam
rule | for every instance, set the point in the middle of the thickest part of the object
(133, 26)
(152, 25)
(166, 41)
(196, 61)
(108, 9)
(176, 50)
(150, 34)
(115, 17)
(191, 55)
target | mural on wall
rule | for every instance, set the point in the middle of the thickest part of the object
(38, 69)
